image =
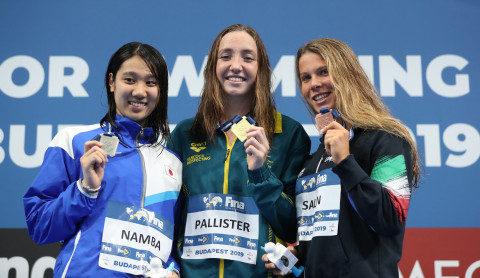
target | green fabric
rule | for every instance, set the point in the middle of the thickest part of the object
(389, 168)
(205, 165)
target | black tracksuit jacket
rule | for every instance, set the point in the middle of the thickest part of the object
(377, 175)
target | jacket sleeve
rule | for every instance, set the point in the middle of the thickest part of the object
(174, 256)
(275, 195)
(381, 199)
(55, 204)
(176, 266)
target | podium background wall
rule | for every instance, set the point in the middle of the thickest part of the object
(423, 56)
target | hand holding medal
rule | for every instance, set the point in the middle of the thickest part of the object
(325, 117)
(256, 144)
(336, 135)
(93, 165)
(256, 147)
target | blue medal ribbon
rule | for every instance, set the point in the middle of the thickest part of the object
(228, 124)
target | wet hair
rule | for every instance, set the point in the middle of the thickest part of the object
(158, 119)
(357, 99)
(212, 104)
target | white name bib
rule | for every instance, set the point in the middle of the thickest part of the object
(318, 205)
(132, 236)
(221, 226)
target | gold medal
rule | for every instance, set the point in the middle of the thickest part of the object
(240, 129)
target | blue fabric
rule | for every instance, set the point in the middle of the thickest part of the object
(57, 209)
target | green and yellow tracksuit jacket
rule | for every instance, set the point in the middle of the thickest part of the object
(221, 168)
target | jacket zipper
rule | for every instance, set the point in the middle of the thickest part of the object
(227, 164)
(225, 191)
(144, 189)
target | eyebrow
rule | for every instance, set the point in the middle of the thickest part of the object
(242, 51)
(248, 51)
(319, 68)
(127, 73)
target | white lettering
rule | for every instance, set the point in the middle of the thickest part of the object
(471, 269)
(461, 139)
(439, 265)
(410, 79)
(157, 222)
(284, 72)
(458, 138)
(106, 248)
(36, 76)
(184, 68)
(436, 82)
(20, 265)
(283, 77)
(417, 271)
(431, 144)
(41, 266)
(229, 202)
(367, 64)
(469, 145)
(321, 179)
(57, 80)
(17, 150)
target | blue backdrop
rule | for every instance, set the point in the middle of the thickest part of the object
(423, 56)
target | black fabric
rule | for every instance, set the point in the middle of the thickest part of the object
(369, 242)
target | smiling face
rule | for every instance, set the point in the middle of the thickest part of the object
(317, 87)
(135, 89)
(237, 64)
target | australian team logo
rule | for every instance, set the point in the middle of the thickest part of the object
(197, 147)
(213, 202)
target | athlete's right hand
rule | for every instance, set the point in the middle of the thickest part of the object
(271, 266)
(93, 164)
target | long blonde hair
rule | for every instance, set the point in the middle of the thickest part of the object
(357, 99)
(212, 104)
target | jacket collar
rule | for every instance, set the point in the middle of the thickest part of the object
(129, 129)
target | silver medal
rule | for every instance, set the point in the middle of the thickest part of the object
(109, 144)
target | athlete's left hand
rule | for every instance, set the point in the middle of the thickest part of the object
(173, 275)
(336, 140)
(256, 147)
